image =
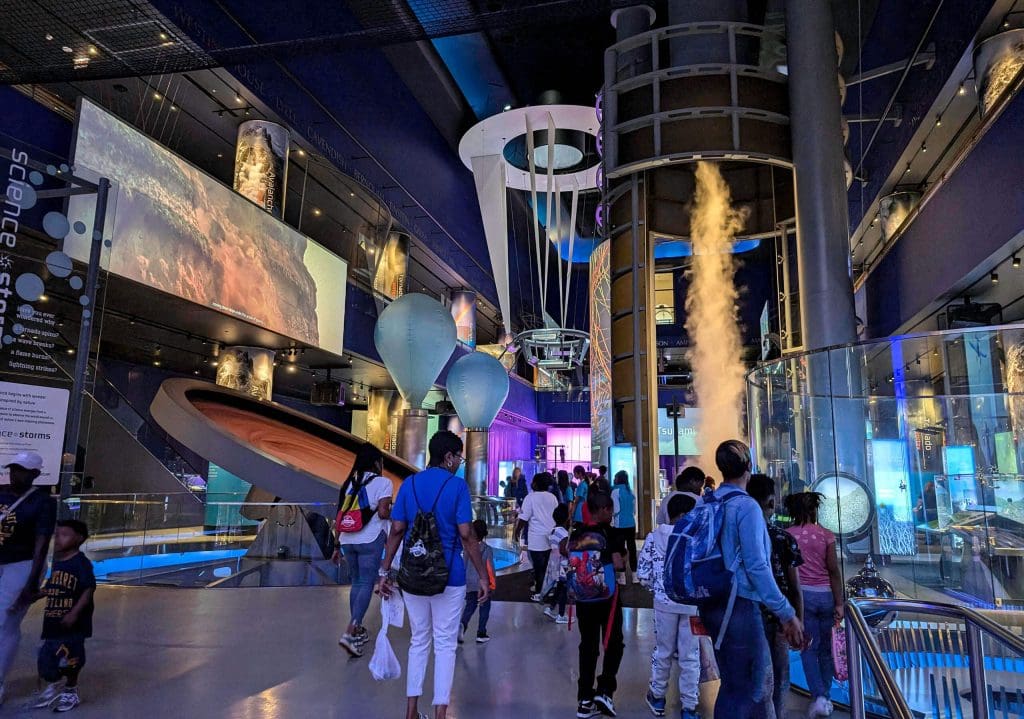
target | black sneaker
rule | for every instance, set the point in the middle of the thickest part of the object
(482, 638)
(586, 710)
(605, 704)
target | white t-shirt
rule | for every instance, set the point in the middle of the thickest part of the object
(538, 509)
(557, 535)
(379, 488)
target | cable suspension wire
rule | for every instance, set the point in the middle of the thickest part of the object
(551, 193)
(572, 238)
(536, 210)
(558, 251)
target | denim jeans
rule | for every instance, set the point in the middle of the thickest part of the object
(744, 662)
(13, 578)
(779, 648)
(485, 612)
(363, 563)
(819, 619)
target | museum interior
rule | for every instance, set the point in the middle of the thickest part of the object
(242, 240)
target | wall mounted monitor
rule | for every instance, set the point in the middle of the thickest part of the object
(180, 231)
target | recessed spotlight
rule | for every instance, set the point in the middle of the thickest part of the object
(156, 363)
(962, 90)
(291, 368)
(907, 171)
(994, 277)
(67, 49)
(49, 36)
(214, 363)
(157, 96)
(238, 98)
(213, 90)
(317, 211)
(508, 106)
(70, 350)
(44, 298)
(174, 108)
(351, 194)
(302, 153)
(220, 154)
(195, 371)
(1016, 261)
(924, 148)
(92, 50)
(163, 36)
(938, 121)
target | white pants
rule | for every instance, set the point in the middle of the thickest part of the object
(434, 618)
(673, 633)
(13, 577)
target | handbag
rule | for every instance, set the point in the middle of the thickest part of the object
(839, 652)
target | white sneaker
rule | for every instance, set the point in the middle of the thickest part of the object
(47, 696)
(831, 708)
(550, 613)
(536, 598)
(67, 701)
(819, 708)
(562, 620)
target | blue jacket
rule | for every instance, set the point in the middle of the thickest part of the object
(745, 535)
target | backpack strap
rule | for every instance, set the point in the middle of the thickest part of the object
(735, 565)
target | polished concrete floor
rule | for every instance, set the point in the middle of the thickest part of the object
(270, 653)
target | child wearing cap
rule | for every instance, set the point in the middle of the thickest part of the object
(27, 517)
(67, 618)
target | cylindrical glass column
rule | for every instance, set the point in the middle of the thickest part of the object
(261, 164)
(412, 437)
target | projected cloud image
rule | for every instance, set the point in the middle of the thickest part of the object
(180, 231)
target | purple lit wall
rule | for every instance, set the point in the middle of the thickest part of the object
(506, 443)
(576, 441)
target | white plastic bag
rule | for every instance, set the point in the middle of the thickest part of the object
(384, 664)
(392, 611)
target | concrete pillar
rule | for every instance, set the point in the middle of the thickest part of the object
(412, 437)
(826, 292)
(823, 240)
(476, 462)
(261, 164)
(247, 369)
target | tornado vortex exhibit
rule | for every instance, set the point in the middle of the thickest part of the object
(711, 322)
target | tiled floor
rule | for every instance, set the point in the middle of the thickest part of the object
(269, 653)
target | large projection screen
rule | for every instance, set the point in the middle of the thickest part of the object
(180, 231)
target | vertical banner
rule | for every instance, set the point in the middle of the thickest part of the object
(392, 266)
(32, 419)
(600, 354)
(261, 164)
(464, 314)
(383, 408)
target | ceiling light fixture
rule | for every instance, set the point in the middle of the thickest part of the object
(1016, 261)
(44, 298)
(92, 50)
(302, 153)
(962, 90)
(49, 36)
(994, 277)
(71, 350)
(163, 36)
(238, 98)
(938, 121)
(317, 211)
(157, 96)
(67, 49)
(508, 106)
(924, 148)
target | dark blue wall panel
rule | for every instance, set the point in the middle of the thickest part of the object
(975, 214)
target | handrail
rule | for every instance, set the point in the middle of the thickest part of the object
(860, 644)
(861, 640)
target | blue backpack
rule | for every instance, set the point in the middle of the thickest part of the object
(695, 571)
(588, 578)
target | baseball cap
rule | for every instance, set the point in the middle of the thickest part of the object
(26, 460)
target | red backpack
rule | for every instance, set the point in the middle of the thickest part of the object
(355, 511)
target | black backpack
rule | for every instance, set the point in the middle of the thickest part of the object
(424, 570)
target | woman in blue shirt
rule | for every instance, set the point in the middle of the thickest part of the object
(438, 615)
(624, 519)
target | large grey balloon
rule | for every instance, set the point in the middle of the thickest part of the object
(415, 335)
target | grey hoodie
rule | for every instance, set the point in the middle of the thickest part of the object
(651, 571)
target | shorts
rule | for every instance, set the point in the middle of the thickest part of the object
(58, 657)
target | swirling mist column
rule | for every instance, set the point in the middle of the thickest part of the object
(601, 433)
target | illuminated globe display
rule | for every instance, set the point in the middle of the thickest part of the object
(846, 507)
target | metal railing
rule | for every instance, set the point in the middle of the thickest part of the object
(862, 648)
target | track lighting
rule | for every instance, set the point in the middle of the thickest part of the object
(1016, 261)
(994, 277)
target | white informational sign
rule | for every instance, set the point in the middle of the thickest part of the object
(32, 419)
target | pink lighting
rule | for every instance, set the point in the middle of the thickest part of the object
(576, 441)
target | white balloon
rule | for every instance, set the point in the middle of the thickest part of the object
(415, 335)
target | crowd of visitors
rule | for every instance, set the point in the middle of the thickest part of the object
(579, 536)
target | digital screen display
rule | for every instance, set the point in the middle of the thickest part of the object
(959, 460)
(178, 230)
(963, 487)
(1006, 453)
(687, 432)
(892, 497)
